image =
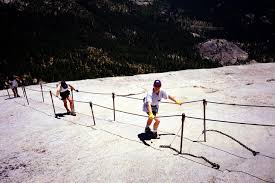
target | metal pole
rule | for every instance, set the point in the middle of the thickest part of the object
(91, 105)
(53, 104)
(26, 95)
(23, 91)
(182, 126)
(114, 109)
(72, 94)
(72, 99)
(42, 91)
(204, 121)
(8, 93)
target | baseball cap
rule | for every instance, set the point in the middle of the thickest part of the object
(157, 83)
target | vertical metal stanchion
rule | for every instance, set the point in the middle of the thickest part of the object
(42, 91)
(8, 93)
(26, 95)
(72, 94)
(53, 104)
(182, 126)
(91, 105)
(72, 99)
(23, 91)
(114, 108)
(204, 120)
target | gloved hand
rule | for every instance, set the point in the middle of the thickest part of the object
(76, 90)
(151, 116)
(179, 102)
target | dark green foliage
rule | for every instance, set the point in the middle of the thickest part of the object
(79, 39)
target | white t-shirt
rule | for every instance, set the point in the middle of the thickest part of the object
(61, 89)
(14, 84)
(154, 98)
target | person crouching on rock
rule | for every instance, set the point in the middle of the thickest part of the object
(64, 92)
(151, 106)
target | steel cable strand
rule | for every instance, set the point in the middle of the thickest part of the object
(131, 97)
(145, 115)
(130, 94)
(176, 135)
(48, 86)
(243, 105)
(80, 101)
(241, 123)
(36, 90)
(251, 150)
(126, 111)
(232, 122)
(96, 93)
(102, 106)
(60, 107)
(84, 91)
(103, 93)
(192, 101)
(134, 114)
(239, 171)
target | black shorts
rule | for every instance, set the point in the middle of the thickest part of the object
(155, 109)
(64, 94)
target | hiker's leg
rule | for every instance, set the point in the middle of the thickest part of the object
(149, 122)
(65, 105)
(156, 124)
(71, 103)
(14, 92)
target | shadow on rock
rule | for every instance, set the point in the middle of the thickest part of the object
(61, 114)
(145, 136)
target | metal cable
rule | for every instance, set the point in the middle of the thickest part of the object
(48, 86)
(36, 90)
(161, 102)
(221, 121)
(94, 93)
(232, 122)
(175, 136)
(130, 94)
(80, 101)
(243, 105)
(84, 91)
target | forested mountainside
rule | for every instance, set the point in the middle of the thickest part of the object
(50, 40)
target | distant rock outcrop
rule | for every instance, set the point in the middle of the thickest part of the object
(222, 52)
(143, 2)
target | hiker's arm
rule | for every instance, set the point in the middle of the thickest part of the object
(57, 91)
(149, 107)
(72, 88)
(174, 100)
(150, 113)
